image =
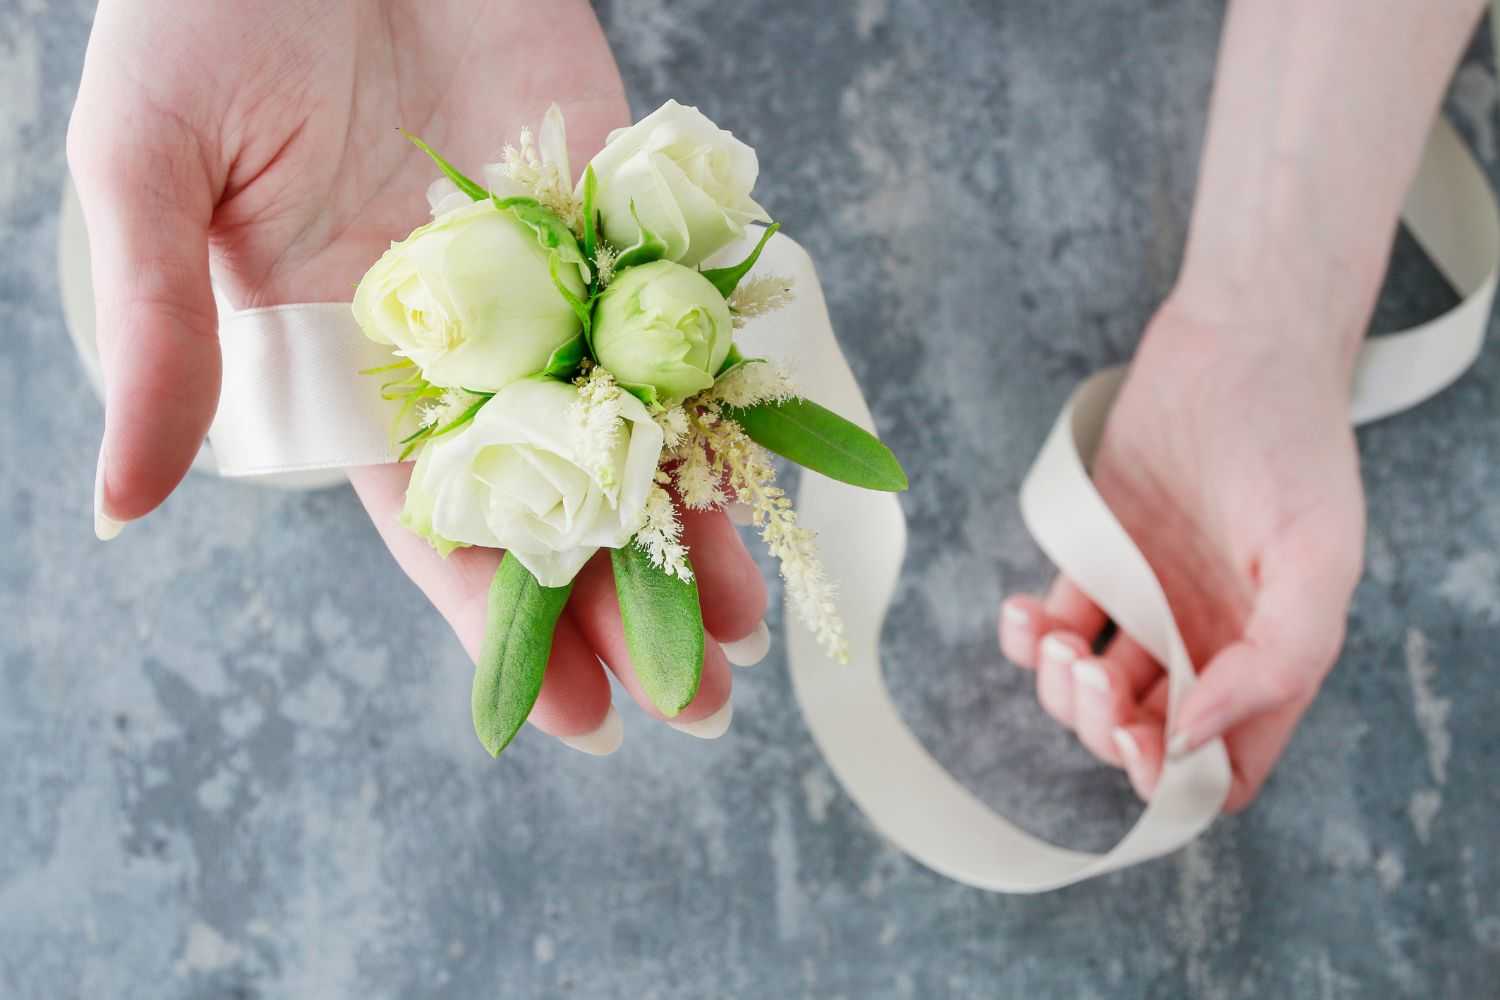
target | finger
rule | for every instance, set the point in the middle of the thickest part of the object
(1290, 643)
(1021, 619)
(730, 588)
(596, 611)
(1254, 749)
(1139, 746)
(1136, 668)
(1069, 608)
(1054, 676)
(574, 703)
(1101, 704)
(147, 198)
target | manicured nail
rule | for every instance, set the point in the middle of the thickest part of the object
(105, 527)
(739, 513)
(603, 741)
(749, 651)
(1091, 675)
(1130, 751)
(1057, 652)
(1015, 614)
(1177, 746)
(711, 728)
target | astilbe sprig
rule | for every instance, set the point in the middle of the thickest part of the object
(757, 296)
(709, 456)
(543, 180)
(596, 416)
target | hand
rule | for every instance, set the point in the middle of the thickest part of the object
(261, 136)
(1230, 461)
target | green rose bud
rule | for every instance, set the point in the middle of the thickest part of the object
(665, 326)
(469, 298)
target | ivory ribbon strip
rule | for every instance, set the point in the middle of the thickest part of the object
(292, 400)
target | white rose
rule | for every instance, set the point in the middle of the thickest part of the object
(689, 179)
(515, 478)
(470, 299)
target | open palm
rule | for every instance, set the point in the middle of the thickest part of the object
(261, 136)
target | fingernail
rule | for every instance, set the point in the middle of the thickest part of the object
(749, 651)
(601, 742)
(1196, 729)
(1177, 746)
(1125, 743)
(711, 728)
(1057, 652)
(1091, 675)
(739, 513)
(1015, 614)
(105, 527)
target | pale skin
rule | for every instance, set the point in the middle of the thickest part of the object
(1228, 456)
(260, 136)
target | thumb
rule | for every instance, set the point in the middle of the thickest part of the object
(147, 200)
(1288, 646)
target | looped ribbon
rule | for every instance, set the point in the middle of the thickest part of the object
(292, 399)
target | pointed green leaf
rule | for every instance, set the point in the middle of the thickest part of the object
(663, 629)
(552, 233)
(580, 308)
(821, 440)
(565, 360)
(590, 221)
(733, 360)
(647, 248)
(726, 279)
(513, 659)
(467, 186)
(645, 393)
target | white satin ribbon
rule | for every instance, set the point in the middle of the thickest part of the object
(292, 399)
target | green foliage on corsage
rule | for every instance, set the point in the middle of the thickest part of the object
(513, 660)
(819, 439)
(663, 628)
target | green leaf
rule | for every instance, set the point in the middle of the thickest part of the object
(580, 308)
(590, 221)
(565, 360)
(552, 233)
(648, 248)
(467, 186)
(513, 659)
(663, 629)
(645, 393)
(821, 440)
(726, 279)
(733, 360)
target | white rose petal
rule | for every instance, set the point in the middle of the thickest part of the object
(690, 182)
(469, 297)
(512, 479)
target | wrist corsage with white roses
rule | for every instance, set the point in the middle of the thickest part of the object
(565, 373)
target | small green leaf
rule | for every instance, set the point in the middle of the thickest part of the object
(821, 440)
(726, 279)
(645, 393)
(580, 308)
(565, 360)
(467, 186)
(663, 629)
(590, 221)
(733, 360)
(648, 248)
(513, 659)
(552, 233)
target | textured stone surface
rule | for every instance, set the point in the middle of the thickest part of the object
(223, 773)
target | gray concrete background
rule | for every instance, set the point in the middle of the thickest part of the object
(223, 774)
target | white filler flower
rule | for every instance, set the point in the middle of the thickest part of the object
(690, 182)
(518, 477)
(469, 298)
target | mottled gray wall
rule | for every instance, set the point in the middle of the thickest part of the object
(224, 774)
